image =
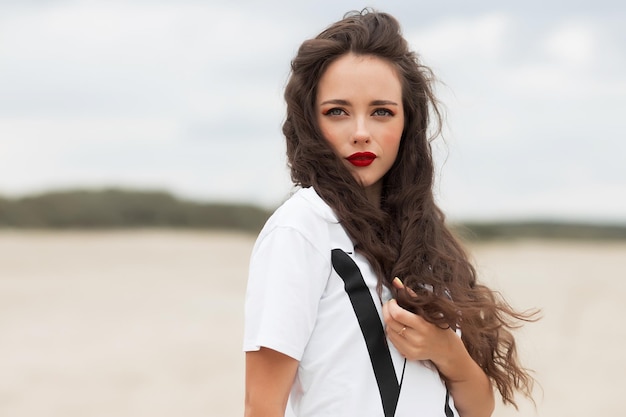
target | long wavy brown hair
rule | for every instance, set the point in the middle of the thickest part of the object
(406, 236)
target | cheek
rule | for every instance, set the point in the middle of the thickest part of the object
(392, 138)
(391, 145)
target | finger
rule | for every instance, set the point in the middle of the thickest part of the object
(398, 313)
(397, 334)
(411, 292)
(397, 282)
(404, 317)
(394, 310)
(400, 342)
(406, 345)
(391, 325)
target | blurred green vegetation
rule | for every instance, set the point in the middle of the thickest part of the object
(539, 230)
(119, 208)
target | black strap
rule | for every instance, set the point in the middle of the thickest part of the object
(446, 408)
(371, 327)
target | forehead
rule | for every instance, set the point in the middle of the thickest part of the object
(360, 76)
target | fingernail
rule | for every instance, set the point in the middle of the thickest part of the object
(398, 281)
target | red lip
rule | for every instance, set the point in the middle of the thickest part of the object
(361, 159)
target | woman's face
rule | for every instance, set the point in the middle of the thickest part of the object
(360, 113)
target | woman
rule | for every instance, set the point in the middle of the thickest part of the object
(358, 112)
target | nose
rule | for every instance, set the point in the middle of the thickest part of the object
(361, 132)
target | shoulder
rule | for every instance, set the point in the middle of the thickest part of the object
(304, 207)
(304, 214)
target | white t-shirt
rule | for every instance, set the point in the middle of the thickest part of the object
(296, 304)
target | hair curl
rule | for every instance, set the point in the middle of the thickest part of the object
(406, 236)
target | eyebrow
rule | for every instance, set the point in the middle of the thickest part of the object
(347, 103)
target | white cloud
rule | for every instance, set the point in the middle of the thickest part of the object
(36, 152)
(32, 132)
(533, 116)
(572, 43)
(130, 58)
(168, 95)
(458, 39)
(122, 32)
(599, 203)
(188, 96)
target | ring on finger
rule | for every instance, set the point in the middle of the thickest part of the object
(401, 332)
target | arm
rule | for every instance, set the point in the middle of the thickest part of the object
(269, 376)
(468, 384)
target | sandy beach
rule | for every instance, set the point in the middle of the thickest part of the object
(149, 323)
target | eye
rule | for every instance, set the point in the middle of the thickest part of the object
(336, 111)
(382, 112)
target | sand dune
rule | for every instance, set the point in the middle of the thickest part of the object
(149, 323)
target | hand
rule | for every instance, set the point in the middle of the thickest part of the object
(418, 339)
(414, 337)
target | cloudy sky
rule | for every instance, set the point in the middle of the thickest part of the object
(186, 96)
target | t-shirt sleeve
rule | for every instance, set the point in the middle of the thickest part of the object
(287, 278)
